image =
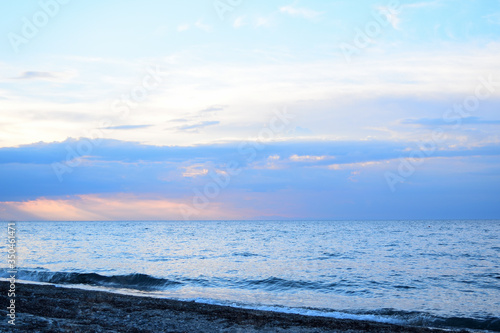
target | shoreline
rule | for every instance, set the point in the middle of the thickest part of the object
(46, 308)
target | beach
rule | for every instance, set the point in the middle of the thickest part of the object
(47, 308)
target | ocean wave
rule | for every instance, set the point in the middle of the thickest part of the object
(388, 316)
(147, 283)
(279, 284)
(135, 281)
(246, 254)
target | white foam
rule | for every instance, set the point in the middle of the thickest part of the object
(271, 308)
(306, 312)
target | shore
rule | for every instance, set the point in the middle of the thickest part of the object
(46, 308)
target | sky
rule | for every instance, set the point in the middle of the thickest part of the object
(235, 109)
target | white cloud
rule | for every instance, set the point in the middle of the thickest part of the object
(183, 27)
(300, 12)
(263, 22)
(448, 72)
(391, 15)
(119, 206)
(238, 22)
(271, 163)
(493, 18)
(162, 30)
(195, 171)
(423, 4)
(350, 166)
(46, 76)
(202, 26)
(309, 158)
(198, 24)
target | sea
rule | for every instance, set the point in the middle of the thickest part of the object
(433, 273)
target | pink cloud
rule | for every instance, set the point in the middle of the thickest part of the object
(116, 207)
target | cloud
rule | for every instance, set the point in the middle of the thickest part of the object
(423, 4)
(302, 131)
(391, 15)
(179, 120)
(293, 179)
(214, 108)
(353, 175)
(317, 152)
(127, 127)
(119, 206)
(263, 22)
(493, 18)
(292, 10)
(308, 158)
(161, 30)
(183, 27)
(202, 26)
(451, 122)
(193, 120)
(197, 126)
(35, 75)
(238, 22)
(278, 81)
(350, 166)
(198, 24)
(195, 170)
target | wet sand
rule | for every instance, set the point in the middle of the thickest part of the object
(46, 308)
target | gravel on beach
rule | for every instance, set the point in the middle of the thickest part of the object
(47, 308)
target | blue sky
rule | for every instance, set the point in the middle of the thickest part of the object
(249, 110)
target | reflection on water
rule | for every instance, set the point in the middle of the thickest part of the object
(446, 268)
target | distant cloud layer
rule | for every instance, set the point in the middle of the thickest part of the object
(281, 179)
(451, 121)
(32, 75)
(127, 127)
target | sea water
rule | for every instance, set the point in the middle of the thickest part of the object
(427, 273)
